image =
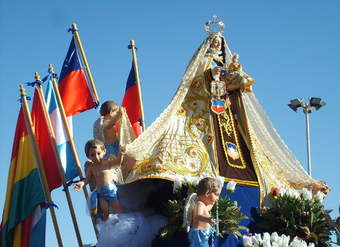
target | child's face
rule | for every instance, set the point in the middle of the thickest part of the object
(96, 154)
(213, 195)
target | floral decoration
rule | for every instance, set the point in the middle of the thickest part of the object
(296, 214)
(273, 240)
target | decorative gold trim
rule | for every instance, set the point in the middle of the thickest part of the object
(243, 182)
(212, 128)
(228, 128)
(149, 177)
(213, 147)
(207, 65)
(175, 167)
(253, 154)
(240, 182)
(230, 163)
(183, 170)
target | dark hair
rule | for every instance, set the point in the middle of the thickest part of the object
(107, 107)
(223, 49)
(206, 185)
(93, 144)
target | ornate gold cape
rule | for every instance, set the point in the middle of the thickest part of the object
(180, 144)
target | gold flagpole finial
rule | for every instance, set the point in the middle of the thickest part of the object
(36, 76)
(135, 65)
(75, 33)
(50, 68)
(74, 27)
(22, 90)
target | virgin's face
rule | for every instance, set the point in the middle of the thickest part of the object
(217, 43)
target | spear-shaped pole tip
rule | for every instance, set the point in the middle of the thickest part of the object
(22, 90)
(36, 76)
(50, 68)
(74, 27)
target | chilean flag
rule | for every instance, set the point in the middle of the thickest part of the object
(131, 102)
(75, 91)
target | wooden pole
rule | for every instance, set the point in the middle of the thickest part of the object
(70, 138)
(135, 65)
(59, 163)
(216, 168)
(77, 38)
(36, 151)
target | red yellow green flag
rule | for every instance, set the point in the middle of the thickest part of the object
(24, 191)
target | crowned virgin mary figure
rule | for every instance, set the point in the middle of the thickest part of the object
(215, 126)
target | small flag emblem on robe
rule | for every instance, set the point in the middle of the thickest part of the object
(232, 151)
(218, 106)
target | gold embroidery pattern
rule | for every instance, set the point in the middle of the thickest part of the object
(197, 82)
(231, 162)
(181, 111)
(197, 124)
(243, 182)
(210, 59)
(196, 106)
(174, 162)
(227, 123)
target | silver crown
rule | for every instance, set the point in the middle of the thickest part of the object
(214, 25)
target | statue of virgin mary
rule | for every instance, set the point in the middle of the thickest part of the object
(215, 126)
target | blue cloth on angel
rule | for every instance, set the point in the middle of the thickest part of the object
(200, 238)
(107, 192)
(112, 148)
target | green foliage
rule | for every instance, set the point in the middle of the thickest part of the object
(297, 216)
(229, 217)
(175, 214)
(174, 211)
(334, 225)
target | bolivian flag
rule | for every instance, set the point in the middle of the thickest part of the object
(22, 215)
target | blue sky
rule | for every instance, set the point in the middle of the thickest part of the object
(290, 47)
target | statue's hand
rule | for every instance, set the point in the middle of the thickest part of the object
(117, 115)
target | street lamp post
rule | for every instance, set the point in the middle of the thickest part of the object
(314, 103)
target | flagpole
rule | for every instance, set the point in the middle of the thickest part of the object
(70, 138)
(29, 125)
(134, 56)
(74, 30)
(60, 166)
